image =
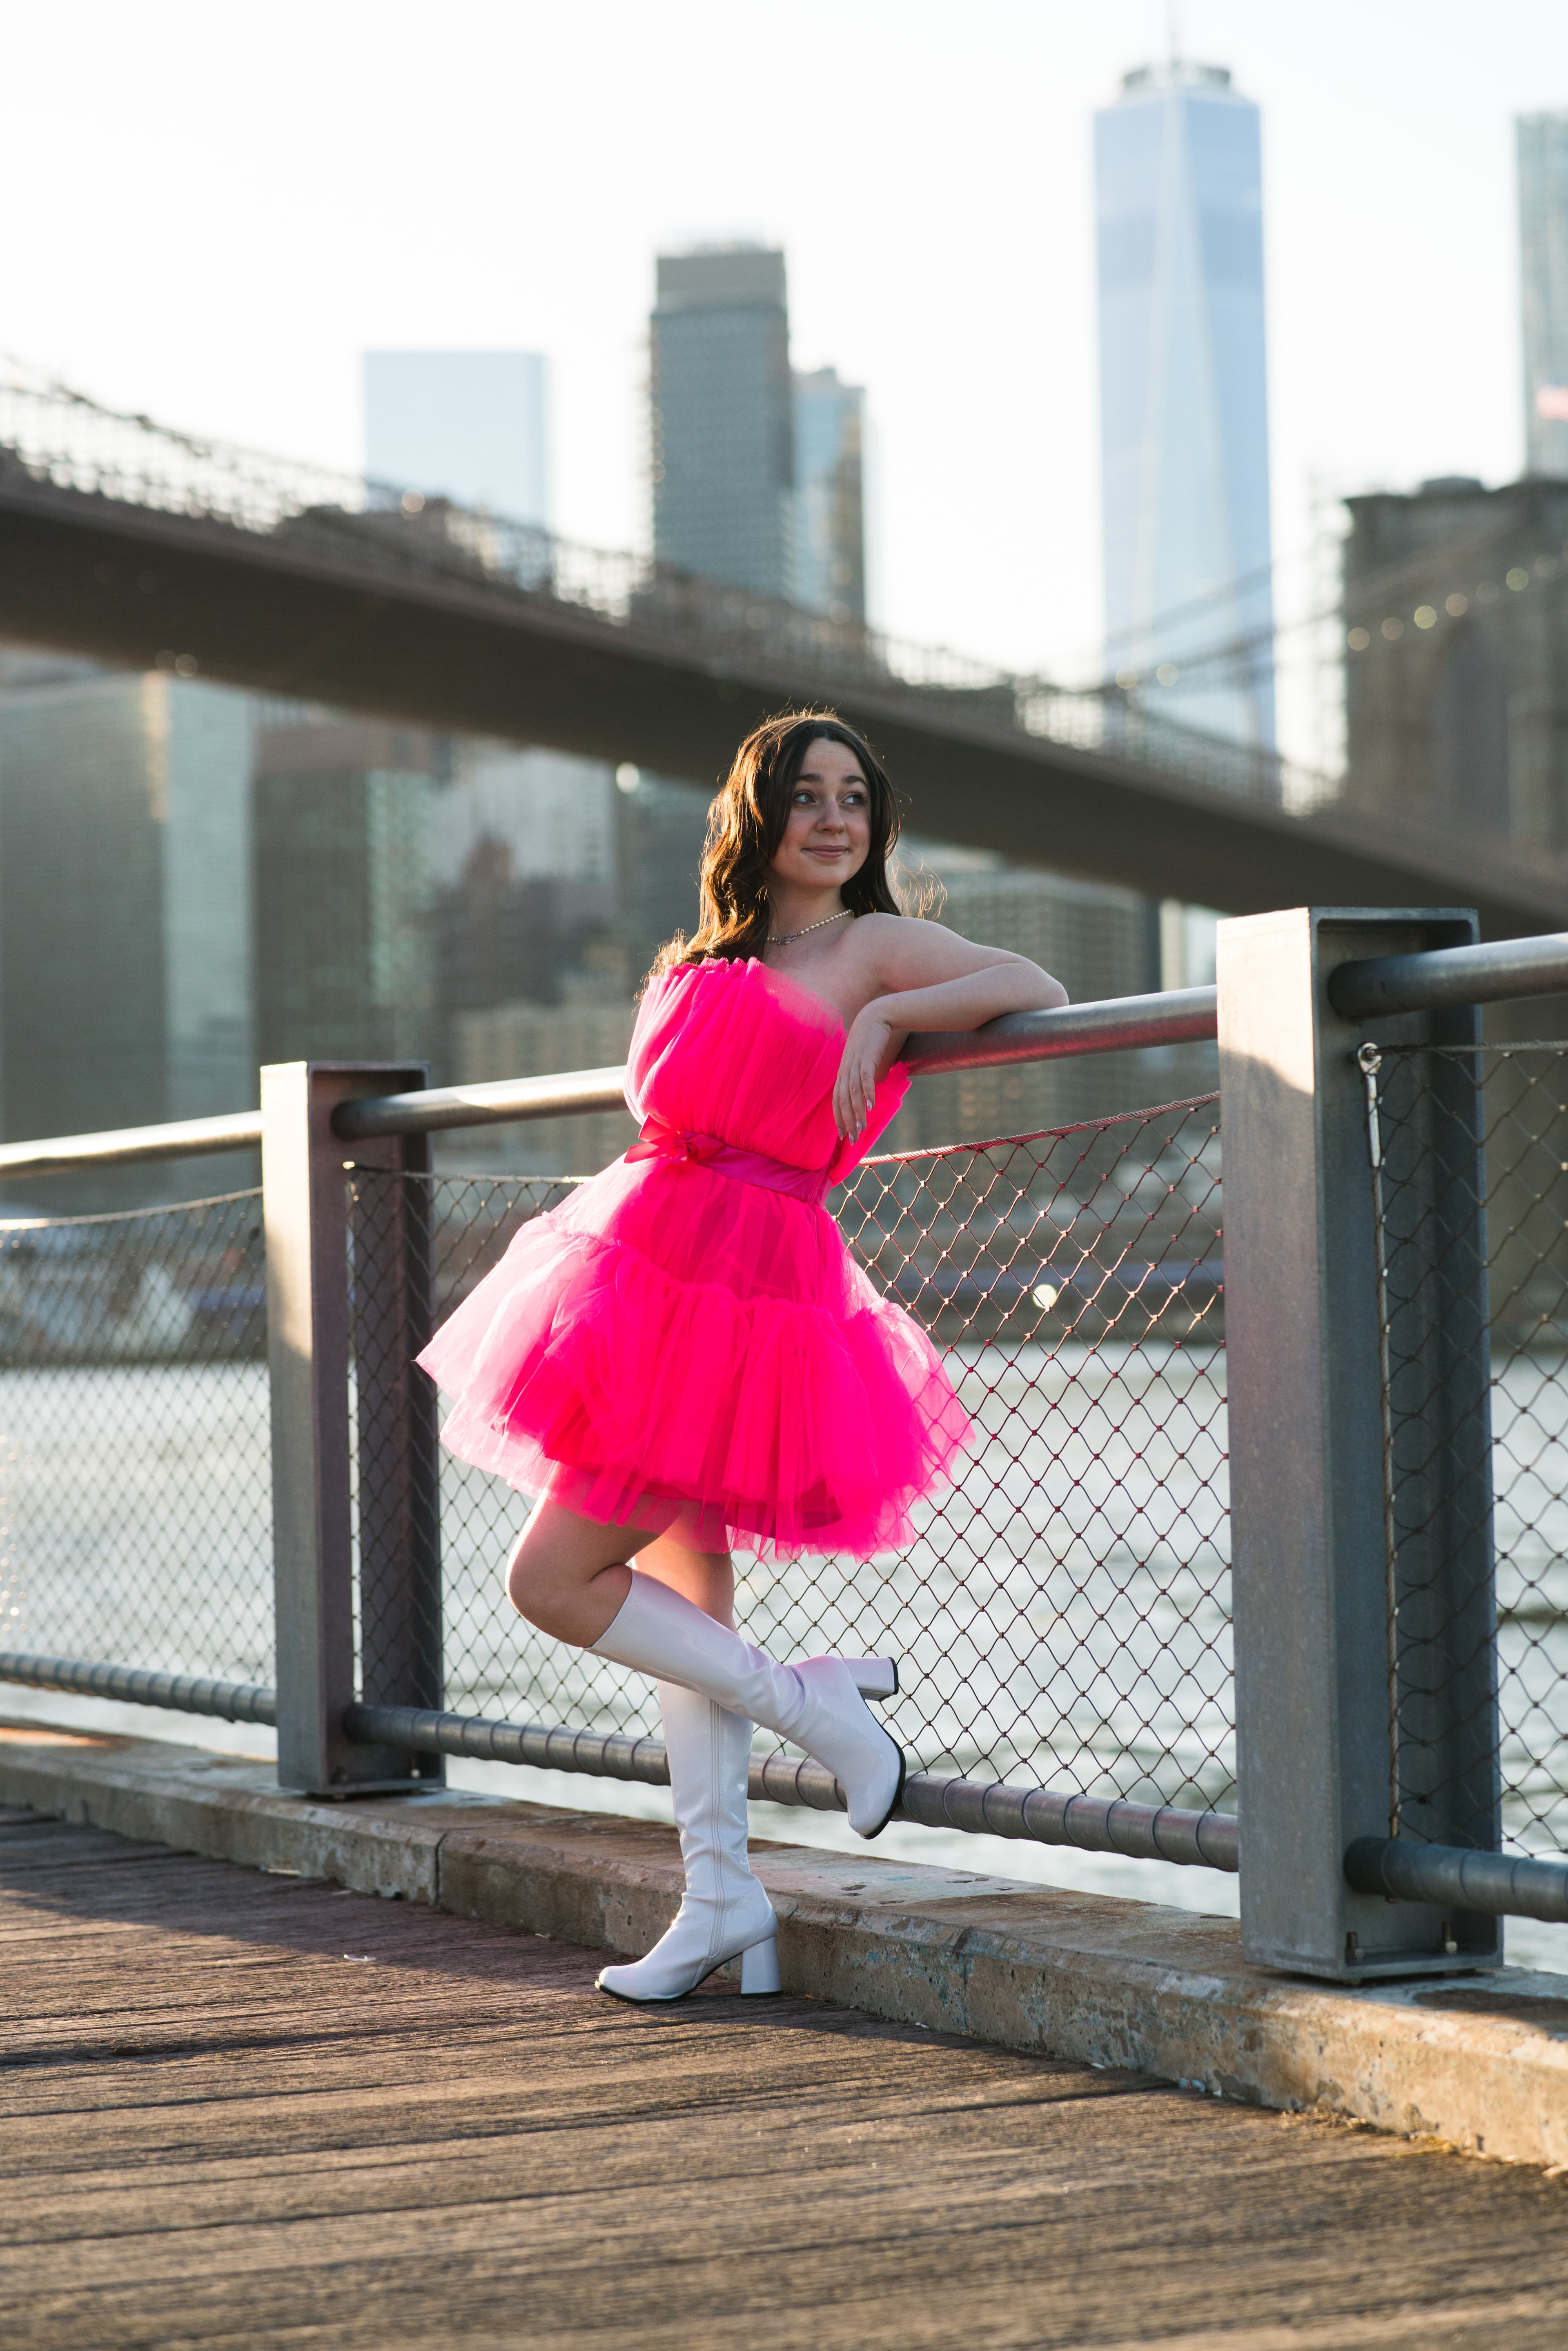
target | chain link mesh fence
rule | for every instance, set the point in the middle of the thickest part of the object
(1063, 1613)
(1478, 1572)
(135, 1446)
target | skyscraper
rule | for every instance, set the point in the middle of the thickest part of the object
(1454, 713)
(1541, 146)
(723, 426)
(1183, 397)
(343, 814)
(125, 984)
(472, 426)
(829, 502)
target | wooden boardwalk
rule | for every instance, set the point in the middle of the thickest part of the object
(245, 2110)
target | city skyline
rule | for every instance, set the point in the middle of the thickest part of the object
(949, 250)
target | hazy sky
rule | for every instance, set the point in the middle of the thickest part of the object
(212, 210)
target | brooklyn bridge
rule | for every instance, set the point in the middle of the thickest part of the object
(142, 547)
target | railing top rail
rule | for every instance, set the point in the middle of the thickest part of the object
(1489, 973)
(186, 1138)
(1486, 974)
(1119, 1025)
(433, 1108)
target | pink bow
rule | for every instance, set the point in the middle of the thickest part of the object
(660, 1140)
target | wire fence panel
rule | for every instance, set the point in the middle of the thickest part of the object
(135, 1445)
(490, 1661)
(1485, 1559)
(1063, 1615)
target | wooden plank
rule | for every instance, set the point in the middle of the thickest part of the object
(242, 2110)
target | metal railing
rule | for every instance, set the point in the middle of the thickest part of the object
(1062, 1616)
(1080, 1672)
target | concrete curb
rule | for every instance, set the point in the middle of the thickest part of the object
(1480, 2063)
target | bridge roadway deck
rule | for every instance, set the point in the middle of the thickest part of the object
(320, 612)
(249, 2109)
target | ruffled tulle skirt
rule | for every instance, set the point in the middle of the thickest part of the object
(676, 1348)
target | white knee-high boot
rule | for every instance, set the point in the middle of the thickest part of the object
(817, 1704)
(725, 1914)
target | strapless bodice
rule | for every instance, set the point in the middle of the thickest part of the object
(746, 1054)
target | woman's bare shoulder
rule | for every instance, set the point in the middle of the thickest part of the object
(911, 950)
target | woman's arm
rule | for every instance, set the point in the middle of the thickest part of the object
(929, 977)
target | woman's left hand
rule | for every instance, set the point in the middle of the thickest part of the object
(869, 1051)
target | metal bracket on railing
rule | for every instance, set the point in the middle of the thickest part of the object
(1369, 1061)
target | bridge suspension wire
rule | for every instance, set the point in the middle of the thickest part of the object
(1417, 592)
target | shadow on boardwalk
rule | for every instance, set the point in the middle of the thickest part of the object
(247, 2110)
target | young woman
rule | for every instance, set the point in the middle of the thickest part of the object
(684, 1357)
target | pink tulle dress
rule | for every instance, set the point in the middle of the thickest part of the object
(687, 1343)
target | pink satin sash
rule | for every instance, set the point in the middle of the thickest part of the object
(660, 1140)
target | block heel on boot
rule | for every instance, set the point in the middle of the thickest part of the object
(759, 1968)
(874, 1676)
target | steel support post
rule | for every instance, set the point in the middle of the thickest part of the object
(307, 1304)
(1324, 1624)
(398, 1494)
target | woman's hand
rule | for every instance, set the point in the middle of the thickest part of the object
(869, 1050)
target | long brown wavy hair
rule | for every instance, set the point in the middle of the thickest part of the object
(746, 824)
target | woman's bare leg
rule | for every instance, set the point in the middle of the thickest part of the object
(570, 1575)
(705, 1578)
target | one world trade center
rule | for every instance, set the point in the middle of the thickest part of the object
(1183, 400)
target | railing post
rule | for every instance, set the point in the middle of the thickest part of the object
(1317, 1659)
(307, 1304)
(399, 1493)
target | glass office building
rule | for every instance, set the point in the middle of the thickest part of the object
(472, 426)
(829, 496)
(125, 934)
(1541, 146)
(723, 428)
(1184, 399)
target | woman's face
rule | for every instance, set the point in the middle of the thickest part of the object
(827, 837)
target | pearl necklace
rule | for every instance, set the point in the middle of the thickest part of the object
(782, 938)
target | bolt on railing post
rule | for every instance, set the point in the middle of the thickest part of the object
(1303, 1338)
(308, 1306)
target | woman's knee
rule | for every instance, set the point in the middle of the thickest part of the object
(568, 1575)
(525, 1581)
(554, 1562)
